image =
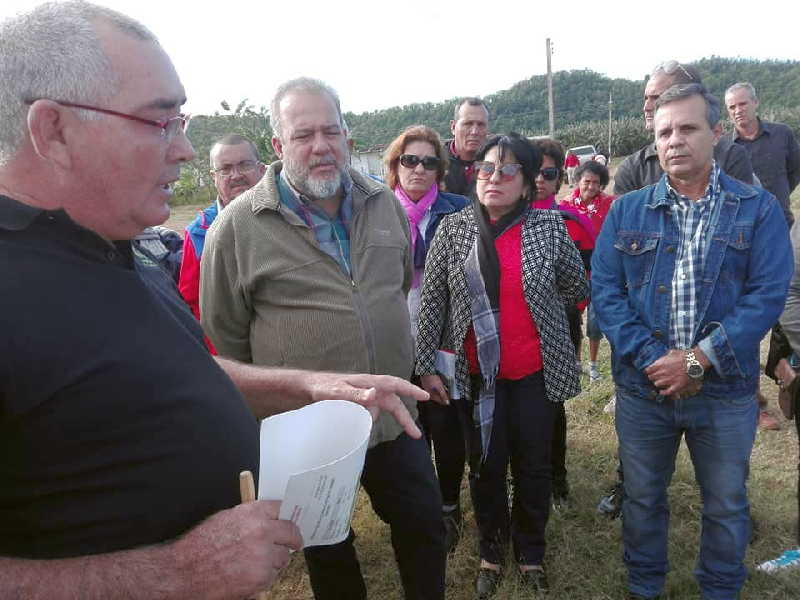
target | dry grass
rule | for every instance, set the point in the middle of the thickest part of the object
(584, 549)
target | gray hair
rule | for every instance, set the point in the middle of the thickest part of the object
(743, 85)
(232, 139)
(54, 52)
(679, 92)
(678, 72)
(471, 101)
(305, 85)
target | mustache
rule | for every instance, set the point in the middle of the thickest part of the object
(323, 161)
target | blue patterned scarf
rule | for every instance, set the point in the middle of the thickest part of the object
(482, 271)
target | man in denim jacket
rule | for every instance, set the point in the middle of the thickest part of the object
(688, 275)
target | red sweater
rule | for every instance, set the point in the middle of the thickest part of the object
(520, 347)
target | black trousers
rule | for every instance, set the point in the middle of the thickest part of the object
(399, 479)
(522, 434)
(444, 431)
(559, 450)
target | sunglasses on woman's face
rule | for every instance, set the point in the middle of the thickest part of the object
(549, 173)
(507, 172)
(410, 161)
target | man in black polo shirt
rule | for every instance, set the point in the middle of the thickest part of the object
(121, 438)
(772, 147)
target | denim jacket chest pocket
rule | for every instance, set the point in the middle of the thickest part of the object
(638, 255)
(737, 252)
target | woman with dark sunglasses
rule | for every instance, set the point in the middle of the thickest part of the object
(496, 282)
(416, 163)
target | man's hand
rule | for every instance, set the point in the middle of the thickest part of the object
(376, 393)
(236, 553)
(434, 386)
(668, 374)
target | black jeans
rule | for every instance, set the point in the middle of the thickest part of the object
(521, 433)
(399, 479)
(444, 431)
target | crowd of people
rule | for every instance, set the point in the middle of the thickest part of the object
(451, 296)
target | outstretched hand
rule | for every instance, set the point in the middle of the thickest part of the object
(376, 393)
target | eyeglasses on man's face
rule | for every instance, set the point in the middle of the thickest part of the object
(169, 127)
(244, 167)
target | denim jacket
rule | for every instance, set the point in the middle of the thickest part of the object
(741, 295)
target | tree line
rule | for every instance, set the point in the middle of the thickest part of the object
(581, 113)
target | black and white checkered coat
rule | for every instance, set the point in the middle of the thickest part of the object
(552, 276)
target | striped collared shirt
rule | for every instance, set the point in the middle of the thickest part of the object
(332, 234)
(696, 223)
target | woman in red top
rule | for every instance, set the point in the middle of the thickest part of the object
(590, 200)
(497, 277)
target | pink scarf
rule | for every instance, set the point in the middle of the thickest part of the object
(416, 210)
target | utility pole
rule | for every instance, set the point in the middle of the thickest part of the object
(550, 90)
(610, 103)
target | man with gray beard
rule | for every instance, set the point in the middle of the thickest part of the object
(310, 268)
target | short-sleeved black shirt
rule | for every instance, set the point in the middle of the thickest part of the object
(117, 428)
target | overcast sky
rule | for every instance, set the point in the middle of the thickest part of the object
(382, 53)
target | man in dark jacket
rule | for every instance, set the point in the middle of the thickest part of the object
(642, 168)
(771, 147)
(470, 126)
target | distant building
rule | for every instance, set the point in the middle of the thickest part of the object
(369, 162)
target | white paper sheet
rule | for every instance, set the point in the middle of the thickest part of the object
(311, 460)
(446, 367)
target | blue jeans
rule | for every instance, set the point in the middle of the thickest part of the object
(719, 434)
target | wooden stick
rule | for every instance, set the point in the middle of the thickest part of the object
(247, 490)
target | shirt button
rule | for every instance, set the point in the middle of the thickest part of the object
(670, 249)
(683, 275)
(657, 333)
(111, 256)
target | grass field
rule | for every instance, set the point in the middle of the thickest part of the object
(584, 549)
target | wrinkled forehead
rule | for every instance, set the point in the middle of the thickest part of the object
(684, 111)
(231, 154)
(303, 110)
(473, 113)
(658, 84)
(147, 78)
(738, 95)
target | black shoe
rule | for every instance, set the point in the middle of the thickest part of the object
(486, 583)
(535, 580)
(452, 528)
(611, 504)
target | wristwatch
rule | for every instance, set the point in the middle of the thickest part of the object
(693, 367)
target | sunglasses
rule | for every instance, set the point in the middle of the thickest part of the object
(410, 161)
(486, 169)
(548, 173)
(671, 66)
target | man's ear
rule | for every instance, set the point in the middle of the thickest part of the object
(452, 126)
(717, 131)
(278, 147)
(48, 122)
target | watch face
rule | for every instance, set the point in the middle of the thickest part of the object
(695, 371)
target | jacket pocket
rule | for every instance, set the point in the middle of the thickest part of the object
(639, 255)
(737, 253)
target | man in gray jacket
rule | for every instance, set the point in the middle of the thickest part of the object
(642, 168)
(311, 266)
